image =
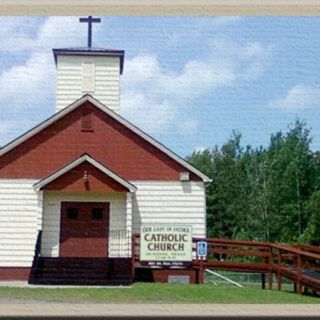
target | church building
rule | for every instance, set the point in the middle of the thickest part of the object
(75, 188)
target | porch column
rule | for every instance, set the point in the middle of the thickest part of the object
(129, 222)
(39, 224)
(40, 210)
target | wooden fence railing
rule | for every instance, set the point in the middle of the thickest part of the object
(298, 263)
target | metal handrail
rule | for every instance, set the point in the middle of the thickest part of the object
(37, 251)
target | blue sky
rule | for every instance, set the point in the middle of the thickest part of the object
(188, 81)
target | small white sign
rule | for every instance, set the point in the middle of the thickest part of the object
(178, 279)
(166, 243)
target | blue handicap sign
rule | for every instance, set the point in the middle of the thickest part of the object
(202, 248)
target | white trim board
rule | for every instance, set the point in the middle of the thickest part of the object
(37, 186)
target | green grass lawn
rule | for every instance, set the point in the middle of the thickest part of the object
(153, 293)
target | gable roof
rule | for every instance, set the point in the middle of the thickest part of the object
(85, 158)
(113, 115)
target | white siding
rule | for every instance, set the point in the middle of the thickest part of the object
(105, 86)
(19, 221)
(51, 221)
(154, 202)
(170, 202)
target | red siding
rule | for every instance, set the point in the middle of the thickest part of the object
(162, 275)
(110, 143)
(73, 181)
(14, 273)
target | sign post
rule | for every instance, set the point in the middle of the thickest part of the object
(202, 251)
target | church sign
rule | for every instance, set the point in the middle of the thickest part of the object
(166, 243)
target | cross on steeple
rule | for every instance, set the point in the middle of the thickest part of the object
(90, 20)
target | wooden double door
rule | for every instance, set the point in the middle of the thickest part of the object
(84, 229)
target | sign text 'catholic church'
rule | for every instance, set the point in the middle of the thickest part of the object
(166, 243)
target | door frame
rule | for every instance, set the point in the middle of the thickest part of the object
(107, 203)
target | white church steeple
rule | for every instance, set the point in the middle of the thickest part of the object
(88, 70)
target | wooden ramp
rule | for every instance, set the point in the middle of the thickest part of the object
(299, 263)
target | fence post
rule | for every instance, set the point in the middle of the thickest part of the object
(263, 280)
(201, 278)
(299, 273)
(279, 270)
(270, 268)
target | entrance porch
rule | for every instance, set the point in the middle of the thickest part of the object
(85, 227)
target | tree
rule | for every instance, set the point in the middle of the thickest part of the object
(267, 194)
(289, 180)
(223, 193)
(312, 232)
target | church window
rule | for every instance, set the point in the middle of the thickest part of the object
(72, 213)
(97, 213)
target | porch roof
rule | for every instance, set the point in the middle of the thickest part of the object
(84, 158)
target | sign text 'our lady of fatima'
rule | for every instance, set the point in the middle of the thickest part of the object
(166, 243)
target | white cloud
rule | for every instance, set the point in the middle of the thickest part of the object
(149, 115)
(15, 34)
(18, 43)
(51, 33)
(200, 149)
(30, 85)
(150, 92)
(299, 97)
(24, 84)
(152, 96)
(21, 34)
(33, 80)
(247, 60)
